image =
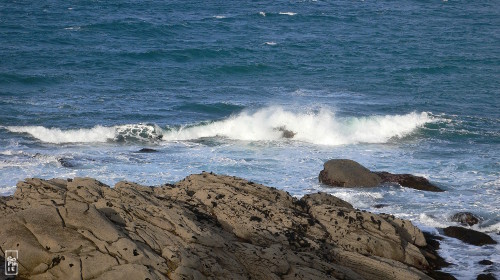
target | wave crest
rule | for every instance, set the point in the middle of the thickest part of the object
(266, 124)
(322, 128)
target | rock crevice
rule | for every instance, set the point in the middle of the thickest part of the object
(205, 226)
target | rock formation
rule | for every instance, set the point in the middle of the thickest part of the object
(465, 218)
(469, 236)
(285, 133)
(348, 173)
(205, 226)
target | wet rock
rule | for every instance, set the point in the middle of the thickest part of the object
(285, 132)
(439, 275)
(205, 226)
(378, 206)
(409, 181)
(469, 236)
(347, 173)
(147, 150)
(66, 162)
(486, 276)
(435, 261)
(465, 218)
(485, 262)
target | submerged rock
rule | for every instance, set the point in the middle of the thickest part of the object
(465, 218)
(147, 150)
(205, 226)
(348, 173)
(469, 236)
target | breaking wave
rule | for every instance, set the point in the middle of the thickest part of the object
(97, 134)
(270, 123)
(322, 127)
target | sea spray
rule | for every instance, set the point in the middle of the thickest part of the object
(322, 127)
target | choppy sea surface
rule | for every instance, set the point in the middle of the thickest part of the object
(401, 86)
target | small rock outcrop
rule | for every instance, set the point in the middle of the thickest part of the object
(205, 226)
(285, 133)
(469, 236)
(486, 276)
(465, 218)
(409, 181)
(147, 150)
(348, 173)
(485, 262)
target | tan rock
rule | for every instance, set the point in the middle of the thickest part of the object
(204, 227)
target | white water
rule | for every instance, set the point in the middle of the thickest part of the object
(323, 128)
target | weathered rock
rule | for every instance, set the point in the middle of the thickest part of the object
(347, 173)
(205, 226)
(409, 181)
(465, 218)
(469, 236)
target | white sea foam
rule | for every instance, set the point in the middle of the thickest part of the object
(97, 134)
(57, 136)
(322, 127)
(219, 17)
(288, 13)
(262, 14)
(7, 190)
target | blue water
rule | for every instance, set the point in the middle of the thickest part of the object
(402, 86)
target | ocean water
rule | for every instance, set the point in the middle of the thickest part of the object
(401, 86)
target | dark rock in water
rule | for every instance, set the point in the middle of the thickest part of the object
(439, 275)
(465, 218)
(435, 261)
(147, 150)
(285, 132)
(65, 162)
(485, 262)
(485, 276)
(347, 173)
(409, 181)
(378, 206)
(469, 236)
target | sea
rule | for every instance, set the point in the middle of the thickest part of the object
(400, 86)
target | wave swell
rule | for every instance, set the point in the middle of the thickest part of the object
(266, 124)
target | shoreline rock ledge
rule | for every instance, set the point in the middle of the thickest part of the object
(206, 226)
(348, 173)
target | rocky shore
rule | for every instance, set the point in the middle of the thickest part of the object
(205, 226)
